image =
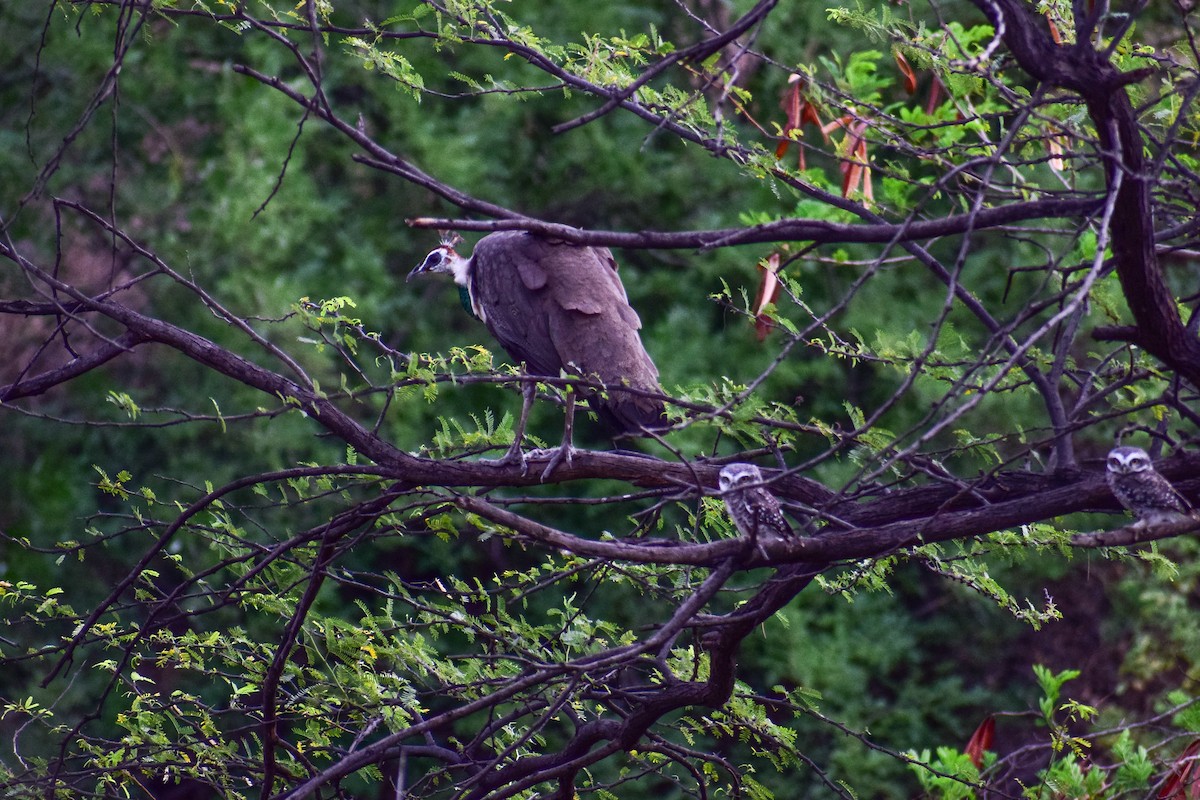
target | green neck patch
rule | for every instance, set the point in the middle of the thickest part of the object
(464, 297)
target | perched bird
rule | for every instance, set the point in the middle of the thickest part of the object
(559, 307)
(1140, 488)
(753, 509)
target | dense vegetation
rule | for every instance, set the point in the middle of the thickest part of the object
(255, 540)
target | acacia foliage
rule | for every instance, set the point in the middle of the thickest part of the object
(252, 549)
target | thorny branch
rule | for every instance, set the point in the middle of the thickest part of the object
(869, 519)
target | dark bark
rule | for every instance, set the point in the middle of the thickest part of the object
(1080, 68)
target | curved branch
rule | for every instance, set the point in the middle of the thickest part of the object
(104, 353)
(712, 692)
(785, 230)
(1136, 534)
(1082, 69)
(916, 517)
(900, 522)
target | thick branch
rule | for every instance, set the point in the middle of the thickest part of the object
(896, 520)
(1136, 534)
(785, 230)
(73, 369)
(578, 753)
(650, 551)
(916, 517)
(1080, 68)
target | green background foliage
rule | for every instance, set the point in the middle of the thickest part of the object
(224, 180)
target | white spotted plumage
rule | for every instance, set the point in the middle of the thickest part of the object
(753, 509)
(1141, 489)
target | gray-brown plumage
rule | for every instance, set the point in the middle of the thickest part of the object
(753, 509)
(1140, 488)
(559, 307)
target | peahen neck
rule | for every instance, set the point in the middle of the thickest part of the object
(464, 297)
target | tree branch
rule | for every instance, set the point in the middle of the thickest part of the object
(1136, 534)
(1082, 69)
(785, 230)
(41, 383)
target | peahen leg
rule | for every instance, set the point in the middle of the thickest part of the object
(515, 455)
(565, 449)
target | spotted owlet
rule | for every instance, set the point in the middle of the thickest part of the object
(1140, 488)
(752, 508)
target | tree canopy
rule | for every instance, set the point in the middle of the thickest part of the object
(923, 263)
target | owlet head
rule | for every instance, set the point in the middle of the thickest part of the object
(1127, 460)
(734, 476)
